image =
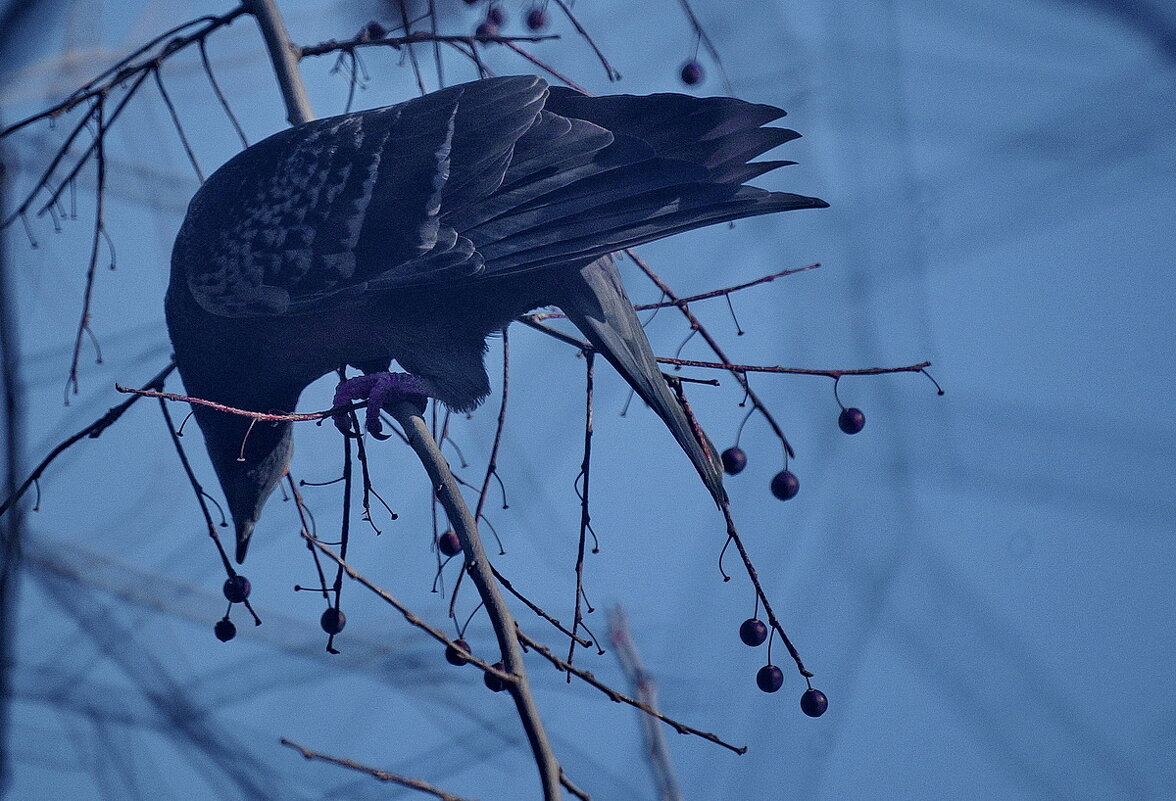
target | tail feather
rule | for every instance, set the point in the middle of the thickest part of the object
(595, 301)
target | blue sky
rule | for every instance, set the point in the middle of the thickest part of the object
(980, 581)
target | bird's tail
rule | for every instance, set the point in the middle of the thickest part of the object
(594, 299)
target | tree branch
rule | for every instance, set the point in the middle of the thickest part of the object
(284, 55)
(478, 566)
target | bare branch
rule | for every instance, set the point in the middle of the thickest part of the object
(478, 566)
(93, 431)
(375, 773)
(621, 698)
(284, 56)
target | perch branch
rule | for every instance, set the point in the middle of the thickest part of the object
(478, 566)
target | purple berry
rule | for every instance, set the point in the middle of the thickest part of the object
(457, 653)
(236, 589)
(333, 620)
(486, 28)
(813, 703)
(753, 632)
(493, 682)
(769, 678)
(785, 485)
(495, 15)
(449, 544)
(224, 630)
(851, 420)
(536, 19)
(734, 460)
(691, 73)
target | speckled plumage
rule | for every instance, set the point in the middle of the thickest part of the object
(413, 231)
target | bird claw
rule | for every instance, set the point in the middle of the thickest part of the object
(381, 391)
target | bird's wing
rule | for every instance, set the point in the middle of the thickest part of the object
(482, 180)
(670, 163)
(323, 212)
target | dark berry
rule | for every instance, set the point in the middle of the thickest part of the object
(851, 420)
(333, 620)
(457, 653)
(785, 485)
(691, 73)
(734, 460)
(496, 15)
(753, 632)
(536, 19)
(373, 30)
(224, 630)
(487, 28)
(493, 682)
(813, 703)
(471, 2)
(769, 678)
(449, 544)
(237, 589)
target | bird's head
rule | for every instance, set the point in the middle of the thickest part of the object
(249, 463)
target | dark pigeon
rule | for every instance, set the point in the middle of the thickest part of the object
(414, 231)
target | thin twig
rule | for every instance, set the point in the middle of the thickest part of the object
(695, 324)
(92, 270)
(621, 698)
(738, 369)
(585, 517)
(375, 773)
(93, 431)
(609, 70)
(417, 37)
(220, 96)
(773, 621)
(681, 302)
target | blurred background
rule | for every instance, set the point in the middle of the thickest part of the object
(981, 582)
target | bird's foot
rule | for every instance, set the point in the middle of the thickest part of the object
(381, 391)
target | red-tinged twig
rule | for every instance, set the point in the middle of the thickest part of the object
(93, 431)
(761, 368)
(375, 773)
(258, 416)
(621, 698)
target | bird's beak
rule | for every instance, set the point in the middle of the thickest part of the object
(244, 532)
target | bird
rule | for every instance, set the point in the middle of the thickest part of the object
(413, 232)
